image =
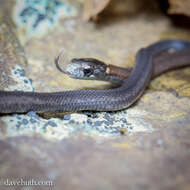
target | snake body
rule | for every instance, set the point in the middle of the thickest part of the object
(123, 96)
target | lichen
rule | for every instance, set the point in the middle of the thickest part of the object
(23, 83)
(97, 125)
(35, 17)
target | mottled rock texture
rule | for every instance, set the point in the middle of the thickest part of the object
(143, 147)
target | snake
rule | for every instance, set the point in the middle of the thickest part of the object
(151, 61)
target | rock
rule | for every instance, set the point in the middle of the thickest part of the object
(179, 7)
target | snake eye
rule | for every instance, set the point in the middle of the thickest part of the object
(87, 72)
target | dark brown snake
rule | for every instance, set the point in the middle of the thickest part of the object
(150, 62)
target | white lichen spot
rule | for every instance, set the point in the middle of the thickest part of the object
(137, 121)
(79, 118)
(23, 83)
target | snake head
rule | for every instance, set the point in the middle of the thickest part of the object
(85, 69)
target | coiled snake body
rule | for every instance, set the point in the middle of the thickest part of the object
(150, 62)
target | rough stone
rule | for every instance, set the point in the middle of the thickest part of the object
(143, 147)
